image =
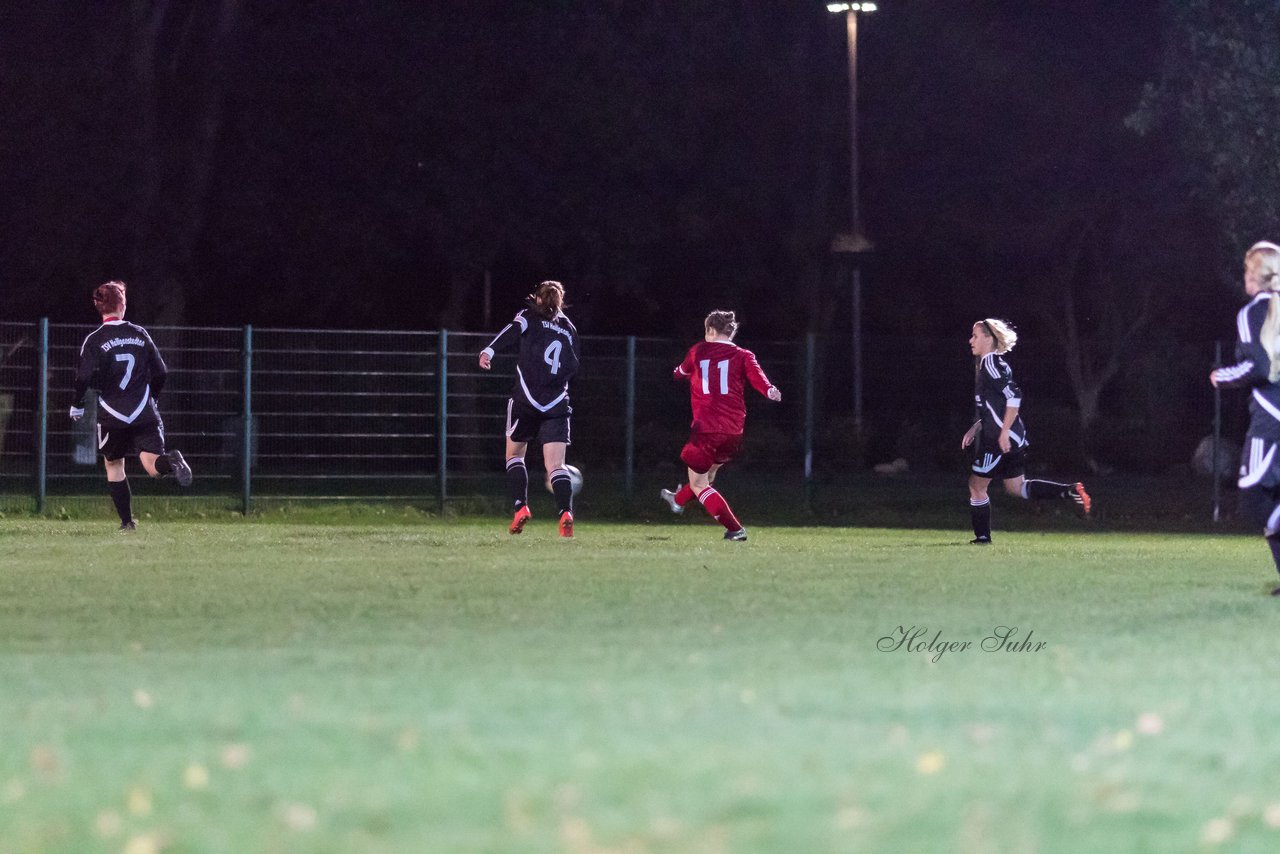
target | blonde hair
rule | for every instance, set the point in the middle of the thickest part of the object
(1002, 331)
(1266, 256)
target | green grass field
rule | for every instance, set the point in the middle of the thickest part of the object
(442, 686)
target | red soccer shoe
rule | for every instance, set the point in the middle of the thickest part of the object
(517, 522)
(1079, 496)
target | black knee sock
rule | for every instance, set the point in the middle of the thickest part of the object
(163, 466)
(120, 496)
(518, 481)
(1259, 506)
(563, 489)
(1039, 490)
(981, 512)
(1274, 542)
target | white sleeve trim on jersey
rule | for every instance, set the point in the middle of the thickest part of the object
(1015, 402)
(1234, 372)
(681, 371)
(488, 351)
(128, 419)
(529, 395)
(501, 332)
(522, 320)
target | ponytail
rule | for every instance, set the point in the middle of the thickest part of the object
(1002, 332)
(548, 299)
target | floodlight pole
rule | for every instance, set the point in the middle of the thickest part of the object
(856, 243)
(851, 28)
(855, 218)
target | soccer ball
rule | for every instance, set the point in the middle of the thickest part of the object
(575, 479)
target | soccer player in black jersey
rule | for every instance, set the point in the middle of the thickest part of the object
(120, 361)
(1257, 368)
(539, 405)
(1000, 437)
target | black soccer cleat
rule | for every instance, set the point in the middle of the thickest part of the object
(737, 536)
(980, 541)
(181, 471)
(1276, 592)
(670, 497)
(128, 527)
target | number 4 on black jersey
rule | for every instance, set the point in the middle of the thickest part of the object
(548, 359)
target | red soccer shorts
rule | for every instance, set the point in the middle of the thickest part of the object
(703, 450)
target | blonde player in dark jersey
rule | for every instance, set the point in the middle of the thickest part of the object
(539, 405)
(120, 361)
(1257, 369)
(718, 372)
(998, 433)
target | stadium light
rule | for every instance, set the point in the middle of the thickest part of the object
(854, 243)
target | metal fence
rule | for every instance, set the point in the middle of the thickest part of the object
(304, 414)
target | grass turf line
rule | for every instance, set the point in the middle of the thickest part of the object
(233, 687)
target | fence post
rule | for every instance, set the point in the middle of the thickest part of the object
(442, 419)
(629, 452)
(1217, 432)
(42, 412)
(246, 447)
(810, 416)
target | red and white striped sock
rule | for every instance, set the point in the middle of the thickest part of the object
(719, 509)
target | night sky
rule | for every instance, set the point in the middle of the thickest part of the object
(364, 165)
(307, 163)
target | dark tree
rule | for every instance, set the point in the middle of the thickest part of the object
(1217, 94)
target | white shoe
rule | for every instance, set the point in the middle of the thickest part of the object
(670, 497)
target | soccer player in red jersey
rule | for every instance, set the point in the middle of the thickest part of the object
(717, 371)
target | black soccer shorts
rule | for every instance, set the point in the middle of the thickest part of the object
(524, 424)
(116, 443)
(998, 466)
